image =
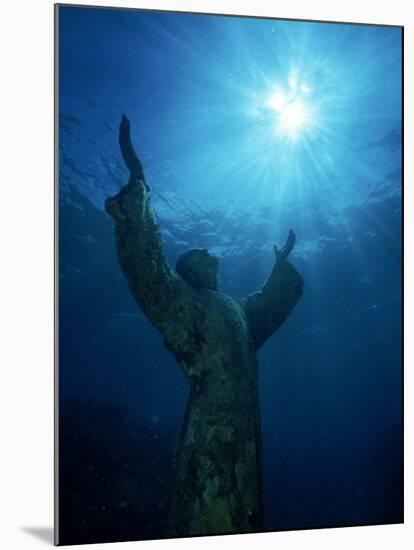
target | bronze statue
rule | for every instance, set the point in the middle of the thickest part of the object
(214, 338)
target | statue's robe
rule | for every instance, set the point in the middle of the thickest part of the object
(214, 338)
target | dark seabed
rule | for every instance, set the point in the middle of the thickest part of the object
(246, 128)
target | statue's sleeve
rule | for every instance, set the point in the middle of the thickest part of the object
(153, 283)
(267, 309)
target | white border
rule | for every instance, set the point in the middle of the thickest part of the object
(26, 275)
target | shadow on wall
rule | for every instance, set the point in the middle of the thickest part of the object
(45, 534)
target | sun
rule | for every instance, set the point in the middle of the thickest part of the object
(292, 108)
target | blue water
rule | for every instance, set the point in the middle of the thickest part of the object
(246, 128)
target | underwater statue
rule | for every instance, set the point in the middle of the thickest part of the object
(214, 338)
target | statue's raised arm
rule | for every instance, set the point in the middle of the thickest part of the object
(139, 245)
(267, 309)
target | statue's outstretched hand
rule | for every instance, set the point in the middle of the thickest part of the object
(124, 204)
(283, 253)
(130, 158)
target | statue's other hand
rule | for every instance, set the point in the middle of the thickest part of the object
(283, 253)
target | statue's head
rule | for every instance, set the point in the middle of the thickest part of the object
(198, 268)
